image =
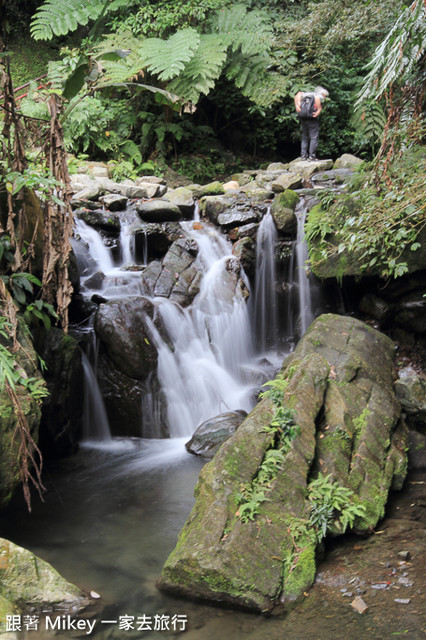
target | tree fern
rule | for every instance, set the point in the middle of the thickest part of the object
(59, 17)
(397, 55)
(167, 58)
(202, 71)
(247, 31)
(251, 76)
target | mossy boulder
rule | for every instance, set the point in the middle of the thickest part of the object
(287, 199)
(284, 216)
(27, 581)
(338, 386)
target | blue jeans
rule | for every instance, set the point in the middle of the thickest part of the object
(310, 136)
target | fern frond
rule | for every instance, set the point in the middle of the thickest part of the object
(59, 17)
(202, 71)
(369, 119)
(246, 31)
(167, 58)
(397, 55)
(256, 83)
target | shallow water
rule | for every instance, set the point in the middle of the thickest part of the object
(112, 515)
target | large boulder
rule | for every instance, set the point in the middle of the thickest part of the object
(337, 388)
(179, 275)
(212, 433)
(158, 210)
(123, 327)
(28, 583)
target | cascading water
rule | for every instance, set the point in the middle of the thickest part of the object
(203, 362)
(95, 420)
(265, 306)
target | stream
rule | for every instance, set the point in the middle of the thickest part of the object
(113, 511)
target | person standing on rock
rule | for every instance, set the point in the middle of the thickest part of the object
(309, 106)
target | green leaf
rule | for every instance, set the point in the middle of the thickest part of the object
(75, 81)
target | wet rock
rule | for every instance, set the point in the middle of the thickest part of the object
(95, 281)
(245, 250)
(339, 368)
(211, 189)
(284, 216)
(331, 178)
(410, 312)
(241, 178)
(183, 198)
(114, 202)
(150, 180)
(212, 206)
(100, 219)
(122, 326)
(158, 211)
(257, 193)
(236, 218)
(359, 605)
(212, 433)
(245, 231)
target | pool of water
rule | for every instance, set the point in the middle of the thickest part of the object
(110, 518)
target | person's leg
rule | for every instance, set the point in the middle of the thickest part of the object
(313, 126)
(305, 139)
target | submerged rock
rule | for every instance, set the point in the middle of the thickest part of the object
(212, 433)
(337, 385)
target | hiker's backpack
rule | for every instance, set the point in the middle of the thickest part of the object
(307, 106)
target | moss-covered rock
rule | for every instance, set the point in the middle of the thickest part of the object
(288, 199)
(338, 386)
(27, 581)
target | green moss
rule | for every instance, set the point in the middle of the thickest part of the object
(299, 573)
(288, 199)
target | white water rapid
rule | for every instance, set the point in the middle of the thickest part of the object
(207, 364)
(265, 304)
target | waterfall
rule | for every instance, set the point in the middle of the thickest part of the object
(265, 297)
(199, 366)
(207, 361)
(98, 251)
(95, 420)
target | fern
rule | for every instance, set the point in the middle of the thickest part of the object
(245, 31)
(251, 76)
(167, 58)
(59, 17)
(396, 56)
(202, 71)
(370, 119)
